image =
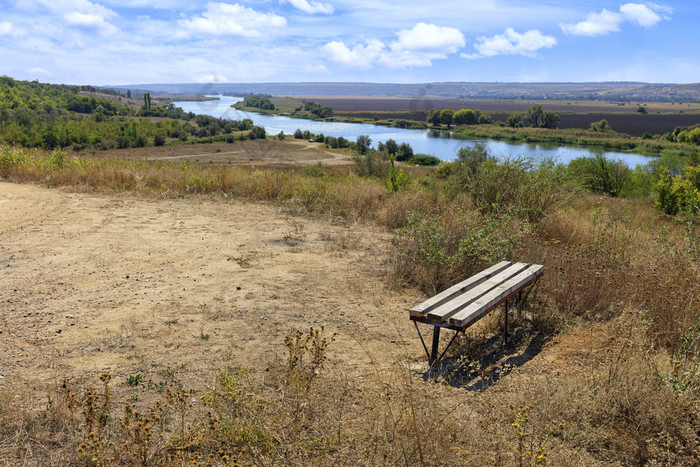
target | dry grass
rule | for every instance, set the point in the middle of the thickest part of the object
(605, 371)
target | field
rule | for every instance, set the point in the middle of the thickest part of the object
(623, 117)
(287, 154)
(236, 315)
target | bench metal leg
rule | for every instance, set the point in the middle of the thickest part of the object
(505, 325)
(436, 344)
(421, 340)
(433, 354)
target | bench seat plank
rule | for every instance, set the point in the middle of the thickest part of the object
(450, 308)
(457, 289)
(495, 297)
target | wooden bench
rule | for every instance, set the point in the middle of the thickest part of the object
(465, 303)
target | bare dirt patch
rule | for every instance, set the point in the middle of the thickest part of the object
(258, 153)
(94, 283)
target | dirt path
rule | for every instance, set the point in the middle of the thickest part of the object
(94, 283)
(261, 153)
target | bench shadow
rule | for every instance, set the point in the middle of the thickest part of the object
(496, 362)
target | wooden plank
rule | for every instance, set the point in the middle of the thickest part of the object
(457, 289)
(446, 310)
(495, 297)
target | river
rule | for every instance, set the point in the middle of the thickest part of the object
(438, 144)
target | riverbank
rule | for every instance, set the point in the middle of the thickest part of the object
(609, 140)
(598, 141)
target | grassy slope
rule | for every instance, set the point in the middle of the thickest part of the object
(605, 390)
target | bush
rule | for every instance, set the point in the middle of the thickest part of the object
(435, 251)
(600, 174)
(159, 140)
(370, 164)
(523, 188)
(679, 194)
(257, 132)
(425, 160)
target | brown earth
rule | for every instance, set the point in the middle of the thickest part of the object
(96, 283)
(662, 117)
(257, 153)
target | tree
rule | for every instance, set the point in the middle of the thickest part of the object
(601, 126)
(465, 117)
(534, 115)
(484, 119)
(471, 158)
(405, 152)
(550, 119)
(257, 132)
(446, 117)
(433, 117)
(391, 147)
(363, 144)
(641, 109)
(515, 120)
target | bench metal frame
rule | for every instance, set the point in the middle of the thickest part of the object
(490, 280)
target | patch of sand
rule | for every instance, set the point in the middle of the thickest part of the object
(94, 283)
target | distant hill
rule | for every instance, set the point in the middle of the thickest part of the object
(618, 91)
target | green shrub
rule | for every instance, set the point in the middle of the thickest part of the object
(679, 194)
(520, 188)
(435, 251)
(601, 174)
(314, 171)
(397, 179)
(370, 164)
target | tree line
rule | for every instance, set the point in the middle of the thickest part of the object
(33, 114)
(535, 116)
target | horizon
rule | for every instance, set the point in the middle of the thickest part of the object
(124, 43)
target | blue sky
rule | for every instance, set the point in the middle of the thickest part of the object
(116, 42)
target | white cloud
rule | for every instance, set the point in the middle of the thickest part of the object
(418, 46)
(640, 14)
(512, 43)
(80, 13)
(421, 45)
(359, 56)
(235, 20)
(5, 28)
(605, 22)
(39, 71)
(87, 20)
(430, 37)
(311, 7)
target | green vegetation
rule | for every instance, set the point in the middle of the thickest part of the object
(258, 101)
(57, 116)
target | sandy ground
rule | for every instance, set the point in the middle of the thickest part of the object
(94, 283)
(259, 153)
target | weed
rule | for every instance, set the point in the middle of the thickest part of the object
(134, 380)
(243, 261)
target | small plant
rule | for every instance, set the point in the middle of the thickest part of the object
(133, 380)
(313, 346)
(243, 261)
(203, 336)
(397, 179)
(532, 447)
(314, 171)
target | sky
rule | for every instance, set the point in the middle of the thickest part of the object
(118, 42)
